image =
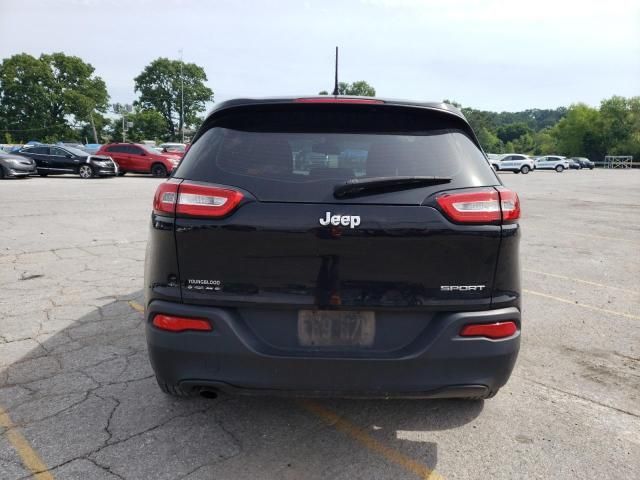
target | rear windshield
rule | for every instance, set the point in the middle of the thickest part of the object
(303, 161)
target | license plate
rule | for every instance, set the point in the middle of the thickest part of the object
(329, 328)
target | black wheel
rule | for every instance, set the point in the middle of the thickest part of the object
(559, 168)
(525, 169)
(122, 173)
(516, 171)
(495, 168)
(2, 172)
(42, 174)
(158, 170)
(85, 171)
(174, 390)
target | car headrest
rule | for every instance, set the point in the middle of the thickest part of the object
(256, 154)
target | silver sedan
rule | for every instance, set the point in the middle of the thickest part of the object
(16, 166)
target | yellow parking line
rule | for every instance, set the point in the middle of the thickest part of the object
(583, 305)
(30, 459)
(362, 437)
(136, 306)
(587, 282)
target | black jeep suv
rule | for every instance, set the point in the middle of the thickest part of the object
(334, 246)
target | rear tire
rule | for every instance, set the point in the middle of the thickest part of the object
(559, 168)
(525, 169)
(42, 174)
(159, 170)
(174, 390)
(2, 175)
(122, 173)
(495, 168)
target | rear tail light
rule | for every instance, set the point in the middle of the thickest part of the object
(204, 201)
(172, 323)
(186, 198)
(510, 204)
(481, 206)
(490, 330)
(164, 201)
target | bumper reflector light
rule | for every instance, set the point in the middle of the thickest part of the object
(489, 330)
(180, 324)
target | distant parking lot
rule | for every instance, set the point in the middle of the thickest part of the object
(78, 399)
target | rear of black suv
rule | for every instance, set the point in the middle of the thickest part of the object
(334, 246)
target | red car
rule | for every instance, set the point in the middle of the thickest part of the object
(139, 158)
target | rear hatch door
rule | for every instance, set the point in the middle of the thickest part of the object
(292, 242)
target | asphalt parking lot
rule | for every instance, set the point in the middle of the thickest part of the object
(78, 399)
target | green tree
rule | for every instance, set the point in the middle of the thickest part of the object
(620, 125)
(48, 96)
(489, 141)
(512, 131)
(524, 143)
(483, 127)
(147, 125)
(160, 87)
(359, 89)
(545, 142)
(101, 124)
(580, 126)
(24, 85)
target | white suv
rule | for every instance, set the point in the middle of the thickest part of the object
(552, 162)
(513, 162)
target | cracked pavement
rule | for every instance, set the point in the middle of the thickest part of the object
(76, 382)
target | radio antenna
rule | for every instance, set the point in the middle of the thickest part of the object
(335, 88)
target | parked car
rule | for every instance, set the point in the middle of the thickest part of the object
(584, 162)
(400, 280)
(552, 162)
(573, 165)
(16, 166)
(140, 158)
(61, 160)
(513, 162)
(175, 148)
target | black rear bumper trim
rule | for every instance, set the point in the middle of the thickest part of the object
(454, 391)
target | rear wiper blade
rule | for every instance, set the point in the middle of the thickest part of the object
(371, 186)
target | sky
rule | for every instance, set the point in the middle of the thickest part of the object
(492, 55)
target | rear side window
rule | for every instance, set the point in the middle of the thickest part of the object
(303, 159)
(58, 152)
(133, 150)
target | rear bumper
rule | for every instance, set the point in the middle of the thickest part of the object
(437, 364)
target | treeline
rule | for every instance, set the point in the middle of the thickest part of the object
(59, 97)
(580, 130)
